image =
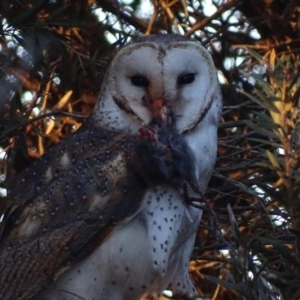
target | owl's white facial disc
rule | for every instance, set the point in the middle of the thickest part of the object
(180, 73)
(190, 100)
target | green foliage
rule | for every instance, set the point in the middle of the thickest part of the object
(264, 264)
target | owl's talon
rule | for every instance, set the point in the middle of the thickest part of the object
(193, 201)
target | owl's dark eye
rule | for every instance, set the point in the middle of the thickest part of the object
(139, 80)
(186, 79)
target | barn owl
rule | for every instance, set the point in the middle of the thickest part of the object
(103, 215)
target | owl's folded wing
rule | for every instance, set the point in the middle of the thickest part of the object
(65, 209)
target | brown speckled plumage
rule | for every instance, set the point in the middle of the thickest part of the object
(71, 199)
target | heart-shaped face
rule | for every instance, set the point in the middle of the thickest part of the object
(148, 76)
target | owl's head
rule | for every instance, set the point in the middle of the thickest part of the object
(157, 74)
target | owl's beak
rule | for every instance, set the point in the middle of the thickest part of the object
(161, 111)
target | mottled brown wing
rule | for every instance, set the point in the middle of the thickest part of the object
(65, 205)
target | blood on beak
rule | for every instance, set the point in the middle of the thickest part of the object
(160, 110)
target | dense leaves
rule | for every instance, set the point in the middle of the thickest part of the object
(53, 56)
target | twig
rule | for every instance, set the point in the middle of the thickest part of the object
(245, 166)
(230, 108)
(232, 124)
(214, 16)
(235, 183)
(53, 113)
(239, 106)
(229, 139)
(151, 22)
(112, 7)
(243, 150)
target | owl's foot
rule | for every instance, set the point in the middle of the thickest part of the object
(193, 201)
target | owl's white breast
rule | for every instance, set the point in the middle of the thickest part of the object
(141, 256)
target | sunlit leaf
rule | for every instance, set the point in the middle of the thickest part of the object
(273, 159)
(256, 55)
